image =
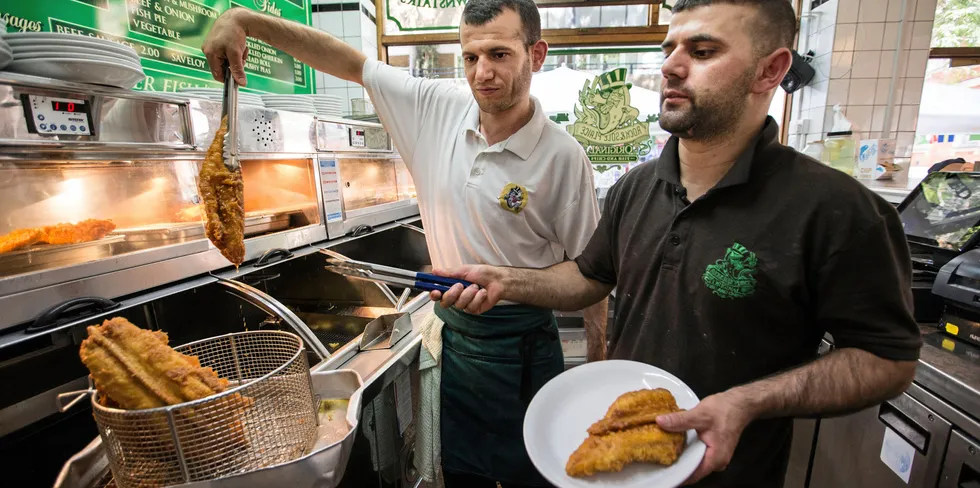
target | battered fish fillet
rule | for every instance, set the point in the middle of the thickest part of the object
(84, 231)
(19, 239)
(136, 368)
(628, 433)
(190, 214)
(634, 409)
(223, 194)
(611, 452)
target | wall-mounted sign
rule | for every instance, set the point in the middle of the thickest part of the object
(167, 34)
(606, 124)
(424, 15)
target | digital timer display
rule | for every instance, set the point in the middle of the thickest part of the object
(51, 116)
(73, 107)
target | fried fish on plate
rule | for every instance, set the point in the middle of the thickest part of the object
(628, 433)
(613, 451)
(635, 408)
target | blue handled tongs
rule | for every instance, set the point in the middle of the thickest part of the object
(392, 276)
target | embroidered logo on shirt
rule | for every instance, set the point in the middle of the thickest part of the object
(513, 198)
(733, 275)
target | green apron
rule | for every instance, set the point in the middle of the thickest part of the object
(492, 365)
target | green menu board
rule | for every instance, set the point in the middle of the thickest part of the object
(168, 35)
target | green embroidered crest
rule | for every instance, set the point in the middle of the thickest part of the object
(732, 276)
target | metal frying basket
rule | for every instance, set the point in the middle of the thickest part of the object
(267, 418)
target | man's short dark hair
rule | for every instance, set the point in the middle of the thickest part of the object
(479, 12)
(777, 21)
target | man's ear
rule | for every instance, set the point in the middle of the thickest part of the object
(539, 51)
(772, 70)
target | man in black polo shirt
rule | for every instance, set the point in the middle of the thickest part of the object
(732, 255)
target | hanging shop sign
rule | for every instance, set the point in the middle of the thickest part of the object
(606, 124)
(424, 15)
(167, 34)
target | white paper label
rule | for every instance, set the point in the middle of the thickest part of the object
(330, 185)
(867, 158)
(897, 454)
(403, 401)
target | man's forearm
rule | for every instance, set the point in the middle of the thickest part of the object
(317, 49)
(559, 287)
(595, 318)
(843, 381)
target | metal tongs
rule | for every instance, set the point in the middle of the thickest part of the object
(229, 108)
(392, 276)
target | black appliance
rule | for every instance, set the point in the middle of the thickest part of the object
(958, 283)
(800, 72)
(941, 219)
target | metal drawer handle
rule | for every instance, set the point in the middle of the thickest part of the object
(70, 311)
(272, 256)
(908, 429)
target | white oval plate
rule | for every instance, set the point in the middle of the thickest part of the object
(24, 39)
(84, 55)
(560, 413)
(80, 71)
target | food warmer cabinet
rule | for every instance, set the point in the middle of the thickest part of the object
(364, 181)
(121, 168)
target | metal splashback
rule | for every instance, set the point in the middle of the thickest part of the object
(262, 132)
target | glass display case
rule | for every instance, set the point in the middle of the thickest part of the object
(370, 182)
(56, 214)
(61, 213)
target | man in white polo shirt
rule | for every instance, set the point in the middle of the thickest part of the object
(498, 183)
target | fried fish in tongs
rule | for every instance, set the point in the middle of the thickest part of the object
(220, 182)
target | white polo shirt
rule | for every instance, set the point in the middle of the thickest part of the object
(525, 201)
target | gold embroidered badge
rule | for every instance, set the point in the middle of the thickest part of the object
(513, 198)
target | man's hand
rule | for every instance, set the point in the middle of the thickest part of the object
(486, 291)
(226, 42)
(719, 421)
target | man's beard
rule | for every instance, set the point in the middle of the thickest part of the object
(711, 114)
(521, 85)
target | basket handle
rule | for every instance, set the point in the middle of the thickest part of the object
(78, 394)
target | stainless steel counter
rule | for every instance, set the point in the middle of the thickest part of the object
(941, 405)
(950, 369)
(372, 365)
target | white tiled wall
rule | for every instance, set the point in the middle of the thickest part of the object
(855, 70)
(819, 33)
(356, 29)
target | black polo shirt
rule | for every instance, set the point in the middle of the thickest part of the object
(744, 282)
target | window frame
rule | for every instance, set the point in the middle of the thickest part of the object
(651, 34)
